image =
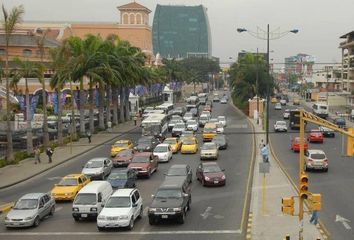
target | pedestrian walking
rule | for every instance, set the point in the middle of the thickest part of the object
(49, 153)
(314, 217)
(264, 153)
(88, 134)
(135, 118)
(37, 153)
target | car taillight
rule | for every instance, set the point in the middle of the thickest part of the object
(325, 162)
(310, 161)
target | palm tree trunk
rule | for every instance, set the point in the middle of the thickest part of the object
(60, 122)
(126, 95)
(115, 105)
(101, 107)
(28, 121)
(108, 103)
(73, 120)
(82, 110)
(45, 120)
(91, 122)
(121, 105)
(9, 150)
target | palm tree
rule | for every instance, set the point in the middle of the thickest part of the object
(25, 70)
(9, 25)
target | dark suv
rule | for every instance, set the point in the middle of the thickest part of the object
(171, 201)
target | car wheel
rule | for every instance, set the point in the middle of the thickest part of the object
(149, 173)
(182, 218)
(52, 211)
(188, 206)
(141, 212)
(326, 170)
(36, 221)
(100, 229)
(131, 223)
(152, 221)
(76, 219)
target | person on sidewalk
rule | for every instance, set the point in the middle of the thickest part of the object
(314, 217)
(37, 153)
(264, 153)
(49, 153)
(88, 134)
(135, 118)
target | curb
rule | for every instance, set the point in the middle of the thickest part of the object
(320, 226)
(6, 207)
(66, 160)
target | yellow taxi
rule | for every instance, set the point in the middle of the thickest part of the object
(209, 131)
(121, 145)
(174, 143)
(69, 186)
(274, 100)
(189, 145)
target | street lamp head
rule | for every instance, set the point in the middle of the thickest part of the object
(240, 30)
(294, 31)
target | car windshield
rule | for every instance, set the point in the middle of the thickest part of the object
(203, 118)
(214, 120)
(85, 199)
(94, 164)
(174, 121)
(170, 141)
(117, 176)
(281, 123)
(191, 122)
(209, 130)
(179, 125)
(124, 154)
(118, 202)
(188, 142)
(221, 118)
(176, 172)
(160, 149)
(219, 125)
(212, 169)
(120, 144)
(168, 193)
(68, 182)
(318, 156)
(219, 139)
(188, 114)
(144, 141)
(208, 146)
(340, 120)
(140, 159)
(25, 204)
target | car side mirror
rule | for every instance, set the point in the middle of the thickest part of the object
(185, 195)
(135, 204)
(102, 205)
(41, 205)
(152, 195)
(99, 199)
(223, 170)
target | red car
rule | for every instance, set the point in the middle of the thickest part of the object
(123, 158)
(315, 136)
(210, 174)
(145, 163)
(295, 144)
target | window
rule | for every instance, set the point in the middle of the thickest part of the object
(2, 52)
(133, 199)
(46, 198)
(137, 195)
(27, 52)
(80, 181)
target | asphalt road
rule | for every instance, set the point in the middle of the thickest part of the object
(216, 212)
(336, 186)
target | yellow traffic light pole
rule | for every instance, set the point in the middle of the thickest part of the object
(301, 170)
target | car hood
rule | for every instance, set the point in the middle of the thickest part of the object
(141, 165)
(213, 175)
(168, 202)
(64, 189)
(143, 146)
(117, 182)
(121, 159)
(21, 214)
(178, 129)
(112, 212)
(208, 151)
(92, 170)
(160, 154)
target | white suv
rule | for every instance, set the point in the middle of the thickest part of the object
(315, 159)
(121, 209)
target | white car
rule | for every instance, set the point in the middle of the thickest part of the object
(280, 126)
(286, 114)
(164, 152)
(98, 168)
(209, 150)
(192, 125)
(222, 120)
(277, 106)
(283, 102)
(213, 120)
(219, 128)
(315, 159)
(188, 116)
(121, 209)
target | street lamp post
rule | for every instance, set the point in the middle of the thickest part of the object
(264, 35)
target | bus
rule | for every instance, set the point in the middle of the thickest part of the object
(155, 125)
(294, 119)
(166, 108)
(320, 109)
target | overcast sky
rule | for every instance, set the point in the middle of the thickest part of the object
(320, 22)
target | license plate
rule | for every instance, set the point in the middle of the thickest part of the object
(164, 216)
(216, 182)
(84, 215)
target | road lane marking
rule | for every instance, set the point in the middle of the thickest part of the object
(344, 221)
(145, 211)
(119, 233)
(206, 213)
(57, 209)
(54, 178)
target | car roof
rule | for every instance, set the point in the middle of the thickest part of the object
(173, 182)
(75, 175)
(143, 154)
(122, 141)
(32, 195)
(313, 151)
(209, 143)
(97, 159)
(210, 164)
(122, 170)
(163, 145)
(123, 192)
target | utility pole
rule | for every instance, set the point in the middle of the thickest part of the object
(257, 87)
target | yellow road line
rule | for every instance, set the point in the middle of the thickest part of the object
(321, 224)
(6, 207)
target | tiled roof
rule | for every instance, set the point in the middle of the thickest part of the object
(134, 5)
(27, 40)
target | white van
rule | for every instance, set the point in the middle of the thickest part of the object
(90, 199)
(320, 109)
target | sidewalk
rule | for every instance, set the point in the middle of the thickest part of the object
(266, 221)
(26, 169)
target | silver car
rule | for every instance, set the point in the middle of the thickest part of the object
(209, 150)
(30, 209)
(98, 168)
(315, 159)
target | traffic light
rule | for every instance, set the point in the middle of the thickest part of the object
(287, 205)
(350, 143)
(315, 201)
(304, 186)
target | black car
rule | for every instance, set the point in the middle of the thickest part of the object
(180, 170)
(340, 122)
(171, 201)
(124, 178)
(327, 132)
(146, 144)
(220, 140)
(203, 100)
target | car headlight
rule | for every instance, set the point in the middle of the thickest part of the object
(147, 147)
(93, 209)
(152, 209)
(124, 217)
(75, 209)
(178, 209)
(223, 177)
(101, 217)
(207, 178)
